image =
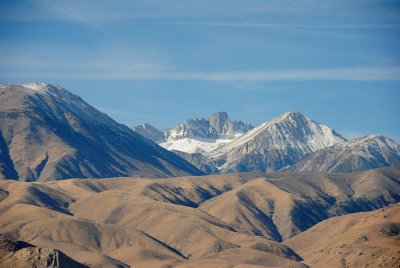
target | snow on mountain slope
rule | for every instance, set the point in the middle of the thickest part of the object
(355, 155)
(274, 145)
(197, 135)
(191, 146)
(192, 128)
(292, 129)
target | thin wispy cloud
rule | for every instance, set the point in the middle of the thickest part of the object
(290, 26)
(79, 61)
(122, 10)
(365, 74)
(340, 74)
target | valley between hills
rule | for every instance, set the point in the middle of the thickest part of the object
(78, 189)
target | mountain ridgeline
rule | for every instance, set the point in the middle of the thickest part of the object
(48, 133)
(291, 141)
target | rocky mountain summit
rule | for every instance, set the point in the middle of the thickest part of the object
(218, 126)
(196, 135)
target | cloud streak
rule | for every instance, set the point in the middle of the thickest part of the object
(362, 74)
(122, 10)
(290, 26)
(337, 74)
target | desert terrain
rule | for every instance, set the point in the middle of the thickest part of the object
(230, 220)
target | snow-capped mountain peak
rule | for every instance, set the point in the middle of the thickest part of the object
(364, 153)
(54, 134)
(32, 86)
(275, 144)
(45, 88)
(197, 134)
(36, 86)
(292, 128)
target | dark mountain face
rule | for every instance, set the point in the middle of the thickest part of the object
(7, 169)
(52, 134)
(150, 132)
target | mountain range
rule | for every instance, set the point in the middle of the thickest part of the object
(291, 141)
(48, 133)
(206, 193)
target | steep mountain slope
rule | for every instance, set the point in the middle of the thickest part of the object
(356, 155)
(367, 239)
(50, 134)
(274, 145)
(24, 255)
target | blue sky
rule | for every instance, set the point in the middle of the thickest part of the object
(162, 61)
